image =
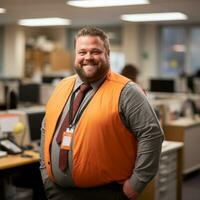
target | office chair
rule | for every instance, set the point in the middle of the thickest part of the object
(12, 100)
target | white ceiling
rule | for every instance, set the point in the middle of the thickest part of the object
(20, 9)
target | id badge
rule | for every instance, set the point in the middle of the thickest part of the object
(67, 139)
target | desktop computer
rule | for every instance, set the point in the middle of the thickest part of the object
(31, 118)
(34, 119)
(162, 85)
(29, 93)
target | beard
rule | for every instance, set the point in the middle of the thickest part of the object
(92, 71)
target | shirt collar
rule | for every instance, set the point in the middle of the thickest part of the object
(94, 85)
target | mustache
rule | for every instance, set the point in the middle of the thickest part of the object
(89, 63)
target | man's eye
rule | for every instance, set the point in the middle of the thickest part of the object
(96, 52)
(81, 53)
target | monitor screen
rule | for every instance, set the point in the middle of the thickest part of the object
(50, 79)
(162, 85)
(34, 123)
(29, 93)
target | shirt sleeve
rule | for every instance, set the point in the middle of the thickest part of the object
(139, 117)
(42, 165)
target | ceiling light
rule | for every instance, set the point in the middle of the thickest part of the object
(2, 10)
(44, 22)
(154, 17)
(105, 3)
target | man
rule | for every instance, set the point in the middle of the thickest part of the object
(112, 144)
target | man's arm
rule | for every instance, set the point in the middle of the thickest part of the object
(139, 117)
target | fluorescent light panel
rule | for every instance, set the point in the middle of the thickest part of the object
(2, 10)
(154, 17)
(105, 3)
(45, 22)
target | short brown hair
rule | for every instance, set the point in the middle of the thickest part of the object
(94, 31)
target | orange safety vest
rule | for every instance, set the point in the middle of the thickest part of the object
(104, 150)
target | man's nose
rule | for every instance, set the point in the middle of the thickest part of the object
(88, 55)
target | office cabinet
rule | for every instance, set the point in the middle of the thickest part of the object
(166, 179)
(167, 185)
(188, 132)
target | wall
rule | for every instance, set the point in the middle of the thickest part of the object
(1, 48)
(140, 46)
(130, 44)
(149, 53)
(14, 45)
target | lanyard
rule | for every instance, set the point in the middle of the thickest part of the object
(71, 123)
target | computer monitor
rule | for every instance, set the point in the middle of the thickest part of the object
(34, 120)
(29, 93)
(31, 118)
(51, 78)
(162, 85)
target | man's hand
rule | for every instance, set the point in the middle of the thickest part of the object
(128, 191)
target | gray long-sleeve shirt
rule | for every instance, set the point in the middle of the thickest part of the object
(138, 116)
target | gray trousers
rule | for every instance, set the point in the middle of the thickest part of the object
(107, 192)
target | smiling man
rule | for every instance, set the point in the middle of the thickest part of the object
(100, 137)
(92, 58)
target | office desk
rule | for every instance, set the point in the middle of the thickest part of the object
(12, 161)
(20, 172)
(187, 131)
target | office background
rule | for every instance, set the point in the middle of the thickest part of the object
(166, 54)
(157, 48)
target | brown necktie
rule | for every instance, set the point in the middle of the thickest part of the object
(63, 156)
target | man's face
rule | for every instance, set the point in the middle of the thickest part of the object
(91, 59)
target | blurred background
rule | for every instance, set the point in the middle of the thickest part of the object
(160, 38)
